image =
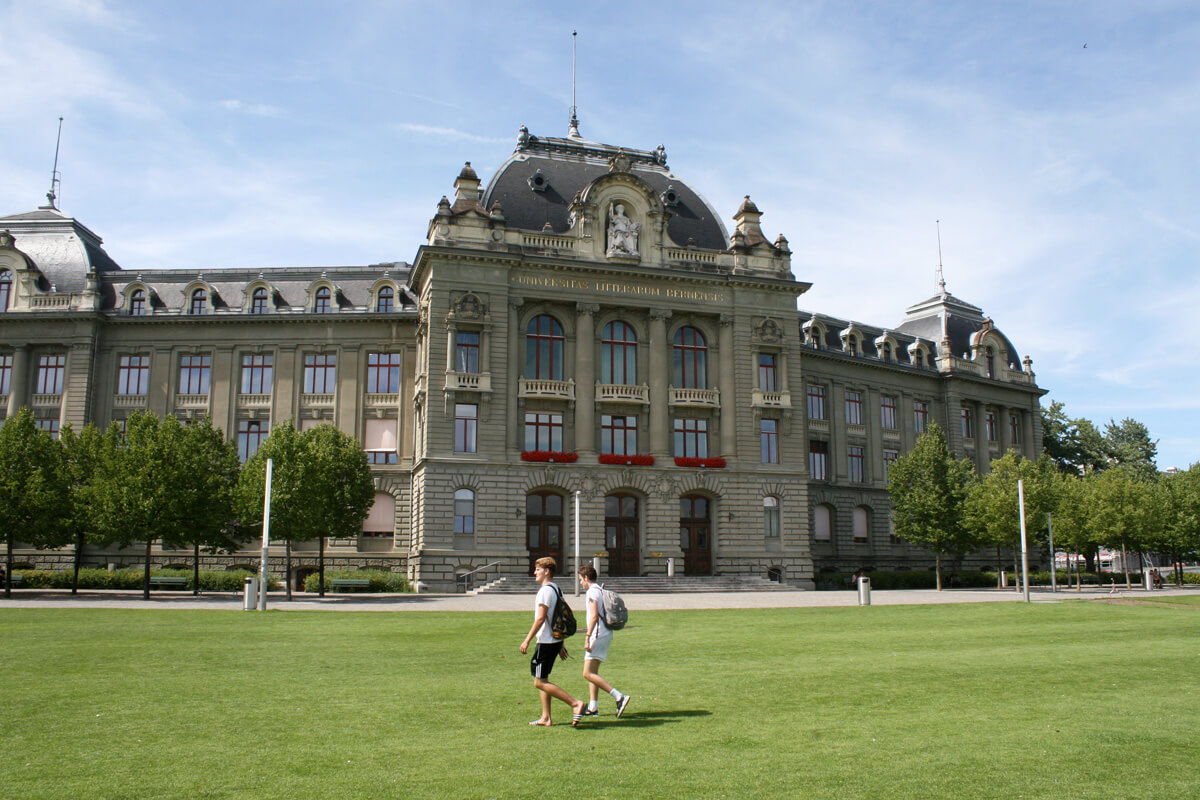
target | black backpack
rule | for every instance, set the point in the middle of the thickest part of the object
(562, 621)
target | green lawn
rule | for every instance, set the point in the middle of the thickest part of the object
(1070, 700)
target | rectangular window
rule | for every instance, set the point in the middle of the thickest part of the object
(320, 374)
(618, 435)
(968, 426)
(769, 441)
(856, 463)
(133, 375)
(920, 416)
(464, 512)
(889, 457)
(543, 431)
(257, 373)
(770, 518)
(5, 373)
(466, 420)
(990, 419)
(48, 425)
(50, 374)
(379, 440)
(383, 373)
(1014, 427)
(767, 377)
(250, 436)
(691, 438)
(854, 408)
(816, 401)
(466, 353)
(818, 460)
(194, 374)
(887, 412)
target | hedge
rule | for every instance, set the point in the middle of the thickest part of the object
(381, 582)
(92, 578)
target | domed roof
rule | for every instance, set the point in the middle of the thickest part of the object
(61, 247)
(536, 185)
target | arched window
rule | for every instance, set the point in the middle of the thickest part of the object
(822, 523)
(322, 301)
(464, 512)
(771, 517)
(691, 358)
(862, 523)
(919, 357)
(258, 301)
(137, 303)
(852, 345)
(618, 354)
(544, 348)
(199, 302)
(6, 283)
(887, 351)
(991, 362)
(386, 299)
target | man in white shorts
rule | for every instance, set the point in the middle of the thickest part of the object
(596, 644)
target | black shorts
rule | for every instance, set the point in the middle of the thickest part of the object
(543, 659)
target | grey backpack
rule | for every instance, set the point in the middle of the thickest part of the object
(615, 615)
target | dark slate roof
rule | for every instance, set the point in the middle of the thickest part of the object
(62, 248)
(834, 326)
(567, 166)
(963, 320)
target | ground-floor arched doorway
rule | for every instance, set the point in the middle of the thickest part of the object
(695, 534)
(544, 527)
(622, 536)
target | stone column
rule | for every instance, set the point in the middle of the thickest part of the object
(727, 385)
(223, 385)
(585, 377)
(1027, 433)
(981, 440)
(19, 380)
(660, 367)
(1006, 441)
(515, 370)
(283, 390)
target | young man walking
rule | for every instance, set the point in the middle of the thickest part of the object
(598, 639)
(547, 648)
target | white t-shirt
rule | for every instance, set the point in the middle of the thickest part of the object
(546, 596)
(594, 593)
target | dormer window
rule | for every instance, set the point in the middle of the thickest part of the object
(990, 363)
(386, 300)
(258, 300)
(852, 345)
(322, 302)
(199, 302)
(137, 303)
(887, 352)
(6, 283)
(919, 357)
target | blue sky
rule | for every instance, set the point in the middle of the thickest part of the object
(253, 134)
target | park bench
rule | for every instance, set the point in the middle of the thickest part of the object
(168, 581)
(350, 583)
(17, 580)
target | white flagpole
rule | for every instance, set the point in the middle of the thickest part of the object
(1024, 544)
(266, 540)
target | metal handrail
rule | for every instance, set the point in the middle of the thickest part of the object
(466, 580)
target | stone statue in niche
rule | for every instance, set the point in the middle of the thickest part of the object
(622, 232)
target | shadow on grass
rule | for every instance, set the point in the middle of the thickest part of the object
(642, 719)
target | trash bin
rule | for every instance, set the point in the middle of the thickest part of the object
(1148, 579)
(864, 591)
(250, 593)
(670, 567)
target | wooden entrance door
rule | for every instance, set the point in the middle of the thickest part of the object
(695, 534)
(544, 527)
(621, 537)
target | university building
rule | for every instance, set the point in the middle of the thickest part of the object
(583, 329)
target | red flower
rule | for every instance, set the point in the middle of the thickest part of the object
(560, 456)
(635, 460)
(704, 463)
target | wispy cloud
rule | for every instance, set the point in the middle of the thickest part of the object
(444, 133)
(253, 109)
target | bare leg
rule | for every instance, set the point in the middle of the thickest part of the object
(591, 673)
(549, 690)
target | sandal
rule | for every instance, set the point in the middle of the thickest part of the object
(537, 723)
(578, 715)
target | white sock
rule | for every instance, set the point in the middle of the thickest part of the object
(593, 706)
(616, 695)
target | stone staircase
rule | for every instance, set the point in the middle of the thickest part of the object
(650, 584)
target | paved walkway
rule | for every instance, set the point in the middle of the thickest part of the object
(46, 598)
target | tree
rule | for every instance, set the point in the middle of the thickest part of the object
(1126, 512)
(162, 483)
(33, 488)
(207, 516)
(1128, 445)
(85, 452)
(1075, 446)
(1180, 535)
(1072, 518)
(992, 510)
(927, 487)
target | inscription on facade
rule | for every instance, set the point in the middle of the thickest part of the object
(616, 287)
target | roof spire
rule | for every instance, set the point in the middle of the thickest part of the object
(51, 195)
(573, 126)
(941, 278)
